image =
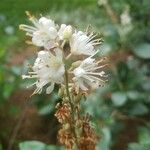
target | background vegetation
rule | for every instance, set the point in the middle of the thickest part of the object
(120, 110)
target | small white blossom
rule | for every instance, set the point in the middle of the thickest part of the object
(48, 69)
(43, 33)
(89, 74)
(102, 2)
(65, 32)
(125, 18)
(126, 23)
(80, 43)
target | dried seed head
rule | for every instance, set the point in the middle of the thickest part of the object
(63, 113)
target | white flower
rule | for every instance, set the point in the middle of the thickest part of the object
(48, 69)
(125, 18)
(80, 43)
(43, 34)
(102, 2)
(126, 23)
(89, 74)
(65, 32)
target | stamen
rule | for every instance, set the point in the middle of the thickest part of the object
(29, 34)
(29, 76)
(96, 67)
(101, 60)
(96, 40)
(96, 78)
(31, 72)
(94, 35)
(94, 73)
(88, 78)
(31, 85)
(27, 27)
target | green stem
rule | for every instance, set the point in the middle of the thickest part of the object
(72, 107)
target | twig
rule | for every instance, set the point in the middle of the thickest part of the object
(17, 127)
(111, 13)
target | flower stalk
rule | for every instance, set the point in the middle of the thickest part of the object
(72, 108)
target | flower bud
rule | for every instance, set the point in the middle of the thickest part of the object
(61, 92)
(65, 32)
(75, 64)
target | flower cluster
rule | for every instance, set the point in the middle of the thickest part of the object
(53, 59)
(66, 57)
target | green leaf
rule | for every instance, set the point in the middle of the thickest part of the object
(136, 146)
(46, 110)
(106, 48)
(142, 50)
(144, 136)
(119, 98)
(8, 89)
(2, 53)
(104, 143)
(144, 140)
(133, 95)
(52, 147)
(139, 109)
(1, 148)
(37, 145)
(32, 145)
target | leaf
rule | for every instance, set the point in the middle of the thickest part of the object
(52, 147)
(37, 145)
(2, 53)
(104, 143)
(139, 109)
(133, 95)
(106, 48)
(144, 140)
(136, 146)
(142, 50)
(119, 98)
(144, 136)
(1, 148)
(46, 110)
(8, 89)
(33, 145)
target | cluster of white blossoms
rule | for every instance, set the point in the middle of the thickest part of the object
(53, 60)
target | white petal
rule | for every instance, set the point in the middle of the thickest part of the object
(59, 53)
(50, 88)
(46, 22)
(36, 39)
(52, 32)
(81, 85)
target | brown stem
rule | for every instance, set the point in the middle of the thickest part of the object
(17, 127)
(111, 13)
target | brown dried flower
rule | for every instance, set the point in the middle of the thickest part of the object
(63, 113)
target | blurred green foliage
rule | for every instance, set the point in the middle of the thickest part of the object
(126, 97)
(36, 145)
(144, 141)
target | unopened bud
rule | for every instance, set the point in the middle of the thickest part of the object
(61, 92)
(67, 32)
(67, 126)
(75, 64)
